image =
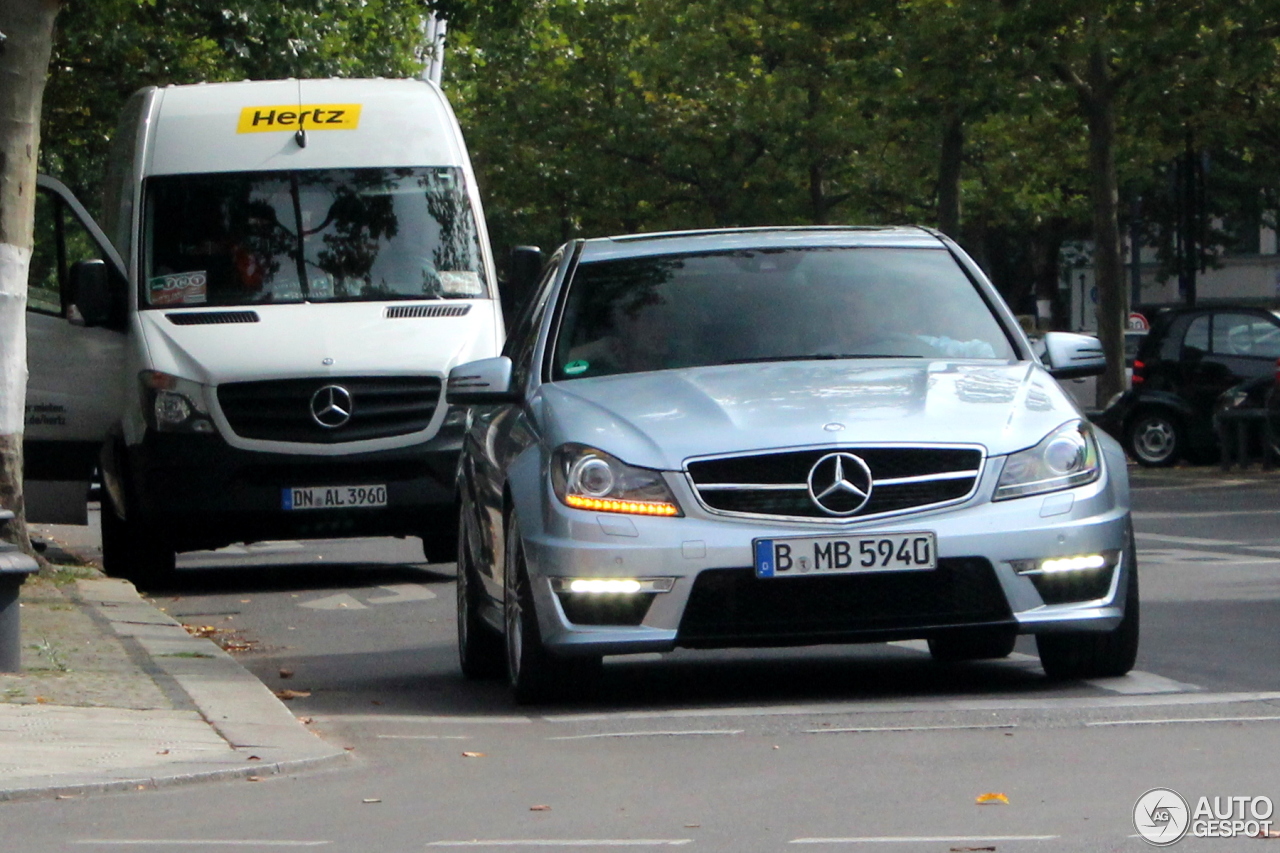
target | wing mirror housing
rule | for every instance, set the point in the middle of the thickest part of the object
(1068, 355)
(486, 381)
(90, 299)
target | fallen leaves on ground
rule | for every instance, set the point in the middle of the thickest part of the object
(1267, 833)
(292, 694)
(539, 808)
(286, 673)
(969, 849)
(473, 755)
(371, 800)
(992, 799)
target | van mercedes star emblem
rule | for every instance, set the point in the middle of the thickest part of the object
(331, 406)
(840, 483)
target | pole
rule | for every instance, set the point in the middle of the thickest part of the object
(433, 37)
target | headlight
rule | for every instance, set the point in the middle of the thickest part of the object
(174, 404)
(1067, 457)
(586, 478)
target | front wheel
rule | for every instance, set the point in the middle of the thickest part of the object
(480, 651)
(1155, 438)
(133, 550)
(1092, 655)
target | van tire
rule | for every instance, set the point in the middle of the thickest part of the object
(132, 551)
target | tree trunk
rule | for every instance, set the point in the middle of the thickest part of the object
(1097, 101)
(949, 164)
(24, 64)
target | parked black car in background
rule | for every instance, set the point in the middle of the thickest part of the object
(1185, 363)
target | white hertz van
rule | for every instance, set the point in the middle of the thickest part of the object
(290, 270)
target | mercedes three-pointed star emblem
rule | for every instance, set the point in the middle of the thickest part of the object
(840, 483)
(331, 406)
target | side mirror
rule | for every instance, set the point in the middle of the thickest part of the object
(89, 302)
(485, 381)
(525, 265)
(1071, 356)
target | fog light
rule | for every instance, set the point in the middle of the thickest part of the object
(1056, 565)
(612, 586)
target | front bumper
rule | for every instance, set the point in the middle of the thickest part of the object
(716, 601)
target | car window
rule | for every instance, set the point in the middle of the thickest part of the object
(1245, 335)
(672, 311)
(1196, 341)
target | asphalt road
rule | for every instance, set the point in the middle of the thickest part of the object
(864, 748)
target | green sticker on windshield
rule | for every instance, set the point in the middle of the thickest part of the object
(573, 368)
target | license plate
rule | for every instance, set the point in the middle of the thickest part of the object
(843, 555)
(333, 497)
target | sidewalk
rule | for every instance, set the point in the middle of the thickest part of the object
(115, 695)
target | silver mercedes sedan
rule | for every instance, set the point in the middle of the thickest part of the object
(785, 436)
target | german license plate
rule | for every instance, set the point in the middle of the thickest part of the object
(843, 555)
(333, 497)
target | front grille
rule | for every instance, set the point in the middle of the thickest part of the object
(776, 484)
(281, 409)
(730, 607)
(205, 318)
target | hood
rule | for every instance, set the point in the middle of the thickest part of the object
(663, 418)
(318, 339)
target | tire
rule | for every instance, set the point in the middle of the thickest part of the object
(972, 645)
(132, 550)
(1155, 438)
(533, 673)
(1084, 654)
(439, 547)
(480, 650)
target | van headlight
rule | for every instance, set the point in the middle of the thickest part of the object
(1067, 457)
(174, 404)
(586, 478)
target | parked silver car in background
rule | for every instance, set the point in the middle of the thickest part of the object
(768, 437)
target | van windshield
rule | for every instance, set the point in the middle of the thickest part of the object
(337, 235)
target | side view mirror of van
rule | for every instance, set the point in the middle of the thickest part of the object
(90, 294)
(526, 264)
(485, 381)
(1071, 356)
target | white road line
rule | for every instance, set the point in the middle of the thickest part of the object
(1211, 513)
(1187, 540)
(479, 719)
(1157, 722)
(675, 733)
(921, 839)
(1142, 683)
(858, 730)
(424, 737)
(197, 842)
(341, 601)
(566, 842)
(402, 592)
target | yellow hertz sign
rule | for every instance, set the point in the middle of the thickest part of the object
(299, 117)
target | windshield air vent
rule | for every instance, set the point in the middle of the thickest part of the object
(396, 312)
(204, 318)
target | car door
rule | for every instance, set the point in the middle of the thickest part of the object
(75, 381)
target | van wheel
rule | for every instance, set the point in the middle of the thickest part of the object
(1155, 438)
(535, 675)
(1082, 654)
(972, 645)
(480, 649)
(133, 551)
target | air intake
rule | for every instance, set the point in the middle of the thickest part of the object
(397, 312)
(205, 318)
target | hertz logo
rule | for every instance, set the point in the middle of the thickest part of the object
(295, 117)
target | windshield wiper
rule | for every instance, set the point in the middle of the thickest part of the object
(816, 357)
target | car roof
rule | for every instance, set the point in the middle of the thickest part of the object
(729, 239)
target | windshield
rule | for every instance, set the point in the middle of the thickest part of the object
(244, 238)
(654, 313)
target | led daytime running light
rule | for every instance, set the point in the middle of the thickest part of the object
(610, 505)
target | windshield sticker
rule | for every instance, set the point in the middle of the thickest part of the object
(293, 117)
(461, 283)
(184, 288)
(573, 368)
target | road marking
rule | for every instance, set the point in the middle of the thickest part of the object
(341, 601)
(566, 842)
(1156, 722)
(197, 842)
(1165, 556)
(392, 718)
(401, 592)
(424, 737)
(1139, 683)
(921, 839)
(958, 727)
(651, 734)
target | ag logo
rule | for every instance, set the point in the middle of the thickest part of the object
(1161, 816)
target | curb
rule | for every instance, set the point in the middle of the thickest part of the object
(264, 736)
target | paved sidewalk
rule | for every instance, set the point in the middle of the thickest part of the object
(116, 695)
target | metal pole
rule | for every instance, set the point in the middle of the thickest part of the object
(433, 38)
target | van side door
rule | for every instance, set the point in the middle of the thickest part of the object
(75, 354)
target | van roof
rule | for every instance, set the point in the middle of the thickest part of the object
(252, 126)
